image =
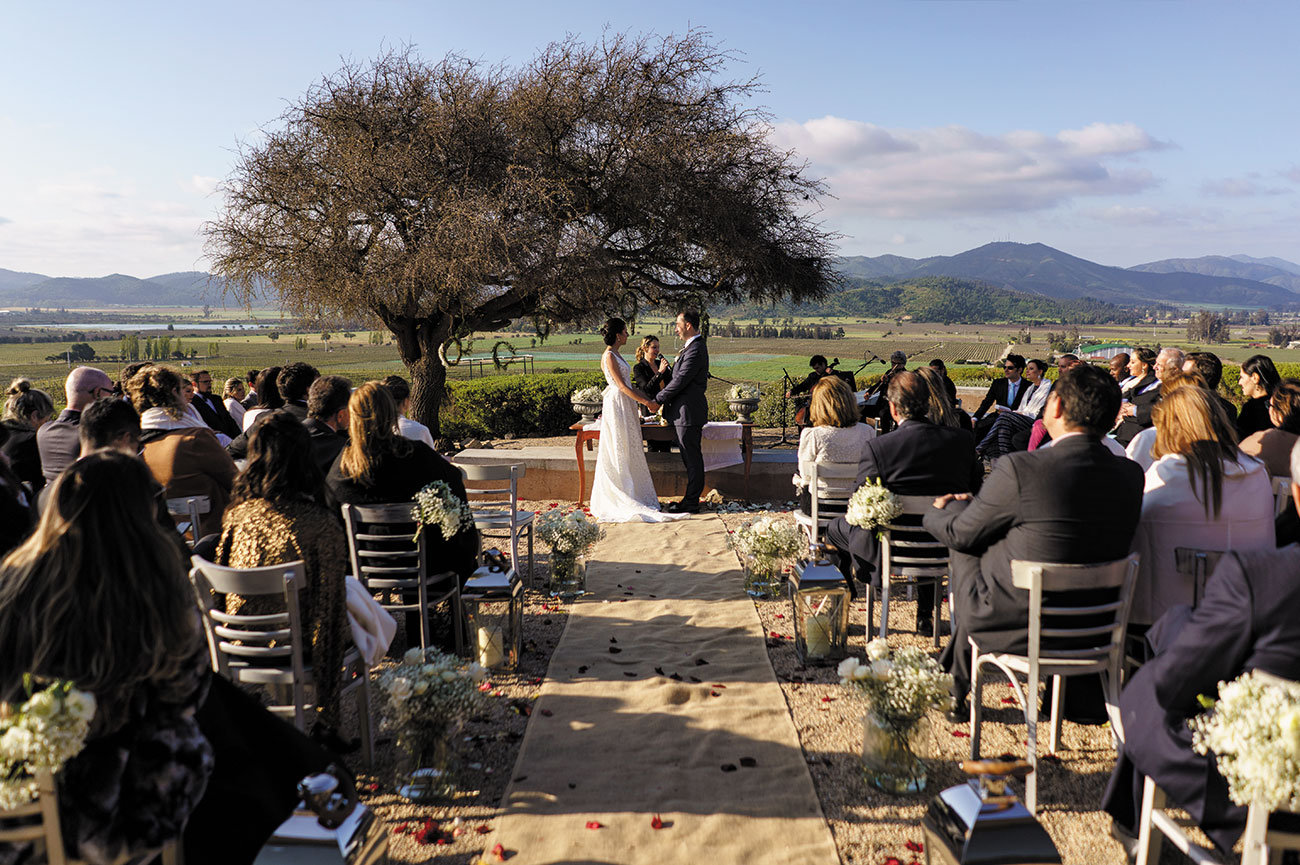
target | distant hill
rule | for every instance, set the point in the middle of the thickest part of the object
(13, 280)
(1233, 268)
(187, 288)
(1279, 263)
(1039, 269)
(862, 267)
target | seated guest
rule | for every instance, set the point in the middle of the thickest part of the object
(1246, 621)
(948, 387)
(1074, 503)
(250, 400)
(232, 397)
(919, 458)
(17, 511)
(380, 466)
(835, 434)
(877, 399)
(1273, 446)
(1036, 436)
(279, 513)
(267, 394)
(327, 418)
(120, 388)
(109, 423)
(411, 429)
(1201, 492)
(1004, 394)
(27, 409)
(1139, 449)
(292, 383)
(1118, 366)
(57, 441)
(180, 450)
(98, 595)
(1007, 424)
(942, 409)
(211, 407)
(1142, 392)
(1258, 378)
(1211, 369)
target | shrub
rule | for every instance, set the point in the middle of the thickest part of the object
(516, 405)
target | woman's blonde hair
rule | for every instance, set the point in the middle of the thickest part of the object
(833, 403)
(1189, 421)
(645, 343)
(98, 593)
(229, 389)
(372, 432)
(24, 400)
(942, 411)
(156, 386)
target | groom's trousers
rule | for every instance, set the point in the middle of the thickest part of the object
(688, 441)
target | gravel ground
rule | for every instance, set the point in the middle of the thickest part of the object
(869, 826)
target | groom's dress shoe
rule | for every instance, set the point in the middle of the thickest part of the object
(681, 508)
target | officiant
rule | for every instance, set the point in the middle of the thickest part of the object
(649, 375)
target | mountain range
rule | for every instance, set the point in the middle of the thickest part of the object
(1030, 268)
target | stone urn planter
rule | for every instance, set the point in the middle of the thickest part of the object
(588, 410)
(743, 409)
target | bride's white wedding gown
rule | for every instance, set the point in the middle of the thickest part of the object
(622, 491)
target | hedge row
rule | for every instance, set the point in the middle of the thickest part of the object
(514, 405)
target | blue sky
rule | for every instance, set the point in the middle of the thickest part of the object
(1120, 132)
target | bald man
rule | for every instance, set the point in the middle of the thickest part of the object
(58, 441)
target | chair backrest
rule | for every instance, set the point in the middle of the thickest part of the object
(271, 640)
(1089, 634)
(36, 822)
(190, 508)
(907, 550)
(1196, 565)
(382, 544)
(1281, 494)
(830, 483)
(496, 486)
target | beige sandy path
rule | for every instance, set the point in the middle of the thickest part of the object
(614, 740)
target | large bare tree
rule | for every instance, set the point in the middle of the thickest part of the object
(449, 198)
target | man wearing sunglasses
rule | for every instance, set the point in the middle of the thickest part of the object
(58, 441)
(1004, 394)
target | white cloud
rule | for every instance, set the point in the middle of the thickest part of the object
(897, 239)
(202, 185)
(953, 170)
(1240, 187)
(1120, 214)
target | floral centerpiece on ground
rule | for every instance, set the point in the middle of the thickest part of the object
(40, 736)
(571, 536)
(872, 506)
(426, 697)
(764, 546)
(1254, 732)
(437, 505)
(901, 688)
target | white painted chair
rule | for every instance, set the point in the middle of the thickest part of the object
(1065, 647)
(1281, 494)
(494, 500)
(190, 509)
(830, 485)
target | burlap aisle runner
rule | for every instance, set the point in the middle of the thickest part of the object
(660, 699)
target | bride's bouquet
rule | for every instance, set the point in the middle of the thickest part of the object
(437, 505)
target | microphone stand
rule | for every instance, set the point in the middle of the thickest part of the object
(785, 405)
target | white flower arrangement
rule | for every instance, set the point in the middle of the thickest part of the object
(767, 541)
(571, 533)
(743, 391)
(588, 394)
(44, 733)
(1254, 732)
(901, 688)
(872, 506)
(429, 693)
(437, 505)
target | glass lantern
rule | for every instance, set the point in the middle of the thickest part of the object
(494, 611)
(820, 597)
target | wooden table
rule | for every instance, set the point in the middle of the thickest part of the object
(652, 432)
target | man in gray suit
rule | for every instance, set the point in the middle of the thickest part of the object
(686, 408)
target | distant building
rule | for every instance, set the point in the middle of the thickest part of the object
(1104, 350)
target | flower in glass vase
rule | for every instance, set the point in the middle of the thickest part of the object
(571, 536)
(764, 546)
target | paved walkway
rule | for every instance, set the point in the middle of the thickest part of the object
(660, 700)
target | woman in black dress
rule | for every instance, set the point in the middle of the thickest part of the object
(650, 374)
(27, 409)
(1258, 378)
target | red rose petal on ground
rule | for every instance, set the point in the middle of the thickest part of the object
(714, 694)
(483, 830)
(499, 852)
(547, 712)
(555, 504)
(537, 681)
(893, 861)
(961, 734)
(593, 824)
(827, 699)
(780, 615)
(774, 634)
(400, 830)
(914, 846)
(1011, 700)
(485, 687)
(442, 842)
(656, 823)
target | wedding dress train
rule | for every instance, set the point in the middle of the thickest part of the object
(623, 491)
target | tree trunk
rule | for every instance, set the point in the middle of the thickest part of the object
(417, 344)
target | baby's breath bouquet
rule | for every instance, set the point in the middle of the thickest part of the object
(1254, 732)
(872, 506)
(764, 546)
(572, 533)
(743, 391)
(901, 688)
(588, 394)
(437, 505)
(41, 735)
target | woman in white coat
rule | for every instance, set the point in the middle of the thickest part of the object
(1201, 492)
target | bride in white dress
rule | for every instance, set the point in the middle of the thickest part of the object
(622, 491)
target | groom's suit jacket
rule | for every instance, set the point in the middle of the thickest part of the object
(683, 397)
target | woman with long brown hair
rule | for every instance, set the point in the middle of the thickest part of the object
(1201, 492)
(378, 465)
(26, 410)
(98, 595)
(836, 434)
(1273, 446)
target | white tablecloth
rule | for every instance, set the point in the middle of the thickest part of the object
(719, 443)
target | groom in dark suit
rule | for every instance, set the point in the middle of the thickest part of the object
(686, 408)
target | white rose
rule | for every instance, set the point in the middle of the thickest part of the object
(429, 669)
(846, 667)
(447, 676)
(413, 656)
(861, 674)
(80, 705)
(421, 686)
(400, 689)
(878, 650)
(42, 705)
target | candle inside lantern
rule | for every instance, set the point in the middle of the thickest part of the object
(818, 642)
(491, 647)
